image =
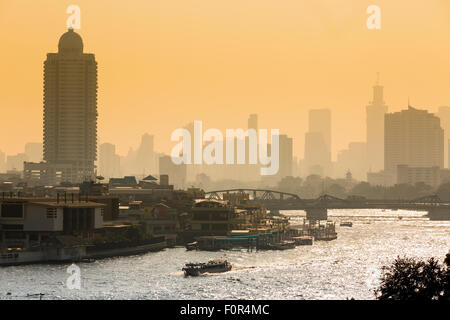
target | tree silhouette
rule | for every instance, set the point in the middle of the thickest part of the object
(412, 279)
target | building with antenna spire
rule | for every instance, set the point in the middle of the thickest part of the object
(375, 112)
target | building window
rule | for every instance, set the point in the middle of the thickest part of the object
(13, 227)
(12, 210)
(51, 213)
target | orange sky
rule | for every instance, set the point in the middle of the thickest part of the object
(164, 63)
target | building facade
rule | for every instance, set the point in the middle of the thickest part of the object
(375, 112)
(318, 143)
(70, 111)
(413, 138)
(411, 175)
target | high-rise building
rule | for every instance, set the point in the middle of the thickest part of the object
(320, 121)
(413, 138)
(375, 112)
(70, 111)
(145, 155)
(109, 161)
(176, 172)
(318, 143)
(253, 121)
(354, 160)
(33, 150)
(15, 162)
(444, 114)
(315, 148)
(286, 156)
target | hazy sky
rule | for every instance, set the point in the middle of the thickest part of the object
(164, 63)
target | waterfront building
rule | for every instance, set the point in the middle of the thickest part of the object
(162, 220)
(212, 217)
(26, 222)
(127, 181)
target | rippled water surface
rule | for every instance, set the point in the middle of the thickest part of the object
(344, 268)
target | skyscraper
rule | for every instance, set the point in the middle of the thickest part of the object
(320, 121)
(145, 155)
(286, 156)
(70, 111)
(375, 112)
(318, 143)
(413, 138)
(109, 161)
(315, 149)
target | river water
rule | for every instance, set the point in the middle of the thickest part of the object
(348, 267)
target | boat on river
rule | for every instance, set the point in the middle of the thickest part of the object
(283, 245)
(192, 246)
(212, 266)
(346, 224)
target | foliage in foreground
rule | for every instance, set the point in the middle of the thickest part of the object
(413, 279)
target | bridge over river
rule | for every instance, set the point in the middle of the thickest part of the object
(277, 200)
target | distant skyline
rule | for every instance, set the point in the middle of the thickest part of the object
(165, 64)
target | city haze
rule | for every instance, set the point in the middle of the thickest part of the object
(165, 64)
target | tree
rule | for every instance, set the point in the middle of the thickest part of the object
(412, 279)
(443, 191)
(336, 190)
(290, 184)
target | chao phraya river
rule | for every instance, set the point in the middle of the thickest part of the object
(344, 268)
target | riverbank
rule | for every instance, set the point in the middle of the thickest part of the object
(80, 252)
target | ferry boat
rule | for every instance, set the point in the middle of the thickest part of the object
(283, 245)
(212, 266)
(192, 246)
(303, 240)
(346, 224)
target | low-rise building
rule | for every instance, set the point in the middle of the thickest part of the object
(26, 222)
